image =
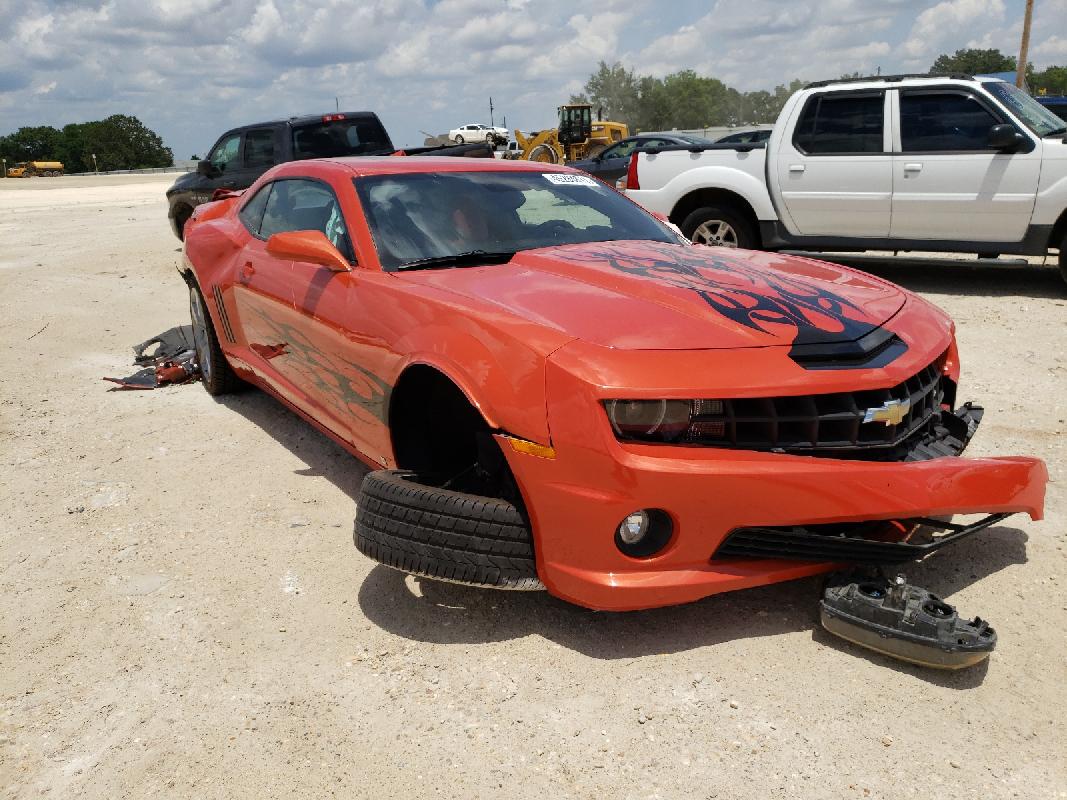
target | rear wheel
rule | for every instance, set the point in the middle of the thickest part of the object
(719, 226)
(1063, 256)
(459, 139)
(215, 371)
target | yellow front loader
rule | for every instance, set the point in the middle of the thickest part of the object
(577, 137)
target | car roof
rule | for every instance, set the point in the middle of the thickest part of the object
(303, 120)
(400, 165)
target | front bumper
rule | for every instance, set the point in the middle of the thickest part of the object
(577, 500)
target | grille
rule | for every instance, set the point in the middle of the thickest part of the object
(858, 543)
(820, 422)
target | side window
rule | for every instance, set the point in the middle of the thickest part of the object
(841, 123)
(225, 152)
(259, 148)
(943, 121)
(251, 213)
(622, 149)
(304, 205)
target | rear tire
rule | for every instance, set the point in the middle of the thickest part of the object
(719, 226)
(442, 534)
(460, 140)
(1063, 256)
(215, 371)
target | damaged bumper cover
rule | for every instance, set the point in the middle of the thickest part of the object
(578, 499)
(876, 542)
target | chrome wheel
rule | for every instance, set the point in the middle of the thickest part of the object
(715, 233)
(201, 335)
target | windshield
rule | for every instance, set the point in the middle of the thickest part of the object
(414, 217)
(345, 137)
(1034, 115)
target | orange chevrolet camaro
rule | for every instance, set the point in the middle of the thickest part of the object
(554, 390)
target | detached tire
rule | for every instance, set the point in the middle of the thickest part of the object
(442, 534)
(719, 226)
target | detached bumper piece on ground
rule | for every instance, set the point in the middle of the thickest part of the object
(904, 621)
(173, 360)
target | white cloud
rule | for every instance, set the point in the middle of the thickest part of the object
(191, 68)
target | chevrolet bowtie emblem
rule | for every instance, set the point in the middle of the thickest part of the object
(892, 412)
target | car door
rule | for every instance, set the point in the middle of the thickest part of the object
(949, 183)
(293, 313)
(834, 176)
(225, 161)
(612, 162)
(259, 152)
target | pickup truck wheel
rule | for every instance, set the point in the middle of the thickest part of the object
(442, 534)
(1063, 257)
(459, 139)
(718, 226)
(215, 371)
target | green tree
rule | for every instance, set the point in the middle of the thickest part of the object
(31, 144)
(972, 61)
(614, 89)
(1052, 80)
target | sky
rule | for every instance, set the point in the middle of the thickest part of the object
(189, 69)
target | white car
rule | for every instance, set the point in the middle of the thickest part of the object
(947, 164)
(476, 132)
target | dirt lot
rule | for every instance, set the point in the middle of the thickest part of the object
(184, 614)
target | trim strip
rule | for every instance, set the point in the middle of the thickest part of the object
(223, 315)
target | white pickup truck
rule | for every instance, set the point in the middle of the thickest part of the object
(953, 163)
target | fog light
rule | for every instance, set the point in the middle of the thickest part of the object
(634, 527)
(644, 533)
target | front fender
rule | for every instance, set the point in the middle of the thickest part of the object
(501, 375)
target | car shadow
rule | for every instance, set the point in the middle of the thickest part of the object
(443, 613)
(323, 456)
(949, 276)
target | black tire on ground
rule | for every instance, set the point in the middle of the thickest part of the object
(1063, 256)
(182, 216)
(442, 534)
(215, 371)
(709, 219)
(459, 139)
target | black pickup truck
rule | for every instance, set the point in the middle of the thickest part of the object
(242, 154)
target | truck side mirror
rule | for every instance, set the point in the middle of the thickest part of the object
(1004, 137)
(206, 168)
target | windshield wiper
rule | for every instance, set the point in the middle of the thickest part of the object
(470, 258)
(1056, 132)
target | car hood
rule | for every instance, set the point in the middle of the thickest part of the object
(657, 296)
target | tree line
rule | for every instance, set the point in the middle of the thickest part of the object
(686, 100)
(118, 142)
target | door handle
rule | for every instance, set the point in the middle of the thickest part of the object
(797, 168)
(913, 167)
(247, 271)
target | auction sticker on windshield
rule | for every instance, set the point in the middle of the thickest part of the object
(562, 179)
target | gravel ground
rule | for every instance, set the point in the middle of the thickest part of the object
(184, 614)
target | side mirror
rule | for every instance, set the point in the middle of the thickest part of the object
(310, 246)
(206, 168)
(1004, 137)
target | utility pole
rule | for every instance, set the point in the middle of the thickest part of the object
(491, 123)
(337, 103)
(1020, 66)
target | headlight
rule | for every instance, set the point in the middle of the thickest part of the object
(657, 420)
(668, 420)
